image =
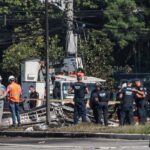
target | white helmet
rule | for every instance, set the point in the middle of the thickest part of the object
(1, 78)
(124, 85)
(11, 78)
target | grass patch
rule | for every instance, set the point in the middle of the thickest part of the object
(92, 128)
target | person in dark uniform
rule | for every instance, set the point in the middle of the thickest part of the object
(80, 89)
(103, 98)
(33, 95)
(140, 99)
(94, 105)
(56, 91)
(127, 99)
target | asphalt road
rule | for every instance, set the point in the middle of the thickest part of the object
(8, 143)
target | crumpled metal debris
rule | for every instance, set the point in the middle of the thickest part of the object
(61, 115)
(29, 129)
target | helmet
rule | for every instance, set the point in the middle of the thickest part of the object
(11, 78)
(1, 78)
(124, 85)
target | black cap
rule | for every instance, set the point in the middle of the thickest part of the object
(135, 80)
(129, 81)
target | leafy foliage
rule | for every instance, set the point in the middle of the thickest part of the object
(28, 33)
(97, 53)
(55, 50)
(117, 36)
(83, 4)
(122, 22)
(32, 48)
(15, 54)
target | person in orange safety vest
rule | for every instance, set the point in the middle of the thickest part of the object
(14, 92)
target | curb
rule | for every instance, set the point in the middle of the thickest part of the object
(43, 134)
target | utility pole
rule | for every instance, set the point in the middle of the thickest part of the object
(71, 45)
(72, 61)
(47, 64)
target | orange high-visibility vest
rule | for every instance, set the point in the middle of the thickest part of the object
(14, 92)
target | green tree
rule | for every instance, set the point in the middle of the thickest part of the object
(31, 48)
(27, 31)
(87, 4)
(97, 53)
(15, 54)
(56, 51)
(123, 24)
(142, 44)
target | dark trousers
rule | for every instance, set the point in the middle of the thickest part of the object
(14, 109)
(141, 111)
(95, 109)
(103, 112)
(79, 110)
(126, 112)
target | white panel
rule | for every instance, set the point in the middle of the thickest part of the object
(40, 88)
(31, 70)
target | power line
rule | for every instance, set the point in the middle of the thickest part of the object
(108, 27)
(78, 11)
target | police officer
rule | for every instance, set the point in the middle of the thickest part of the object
(95, 104)
(80, 90)
(103, 98)
(34, 95)
(140, 99)
(127, 99)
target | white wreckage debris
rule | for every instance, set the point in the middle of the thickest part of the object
(61, 115)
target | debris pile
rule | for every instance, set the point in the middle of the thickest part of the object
(61, 115)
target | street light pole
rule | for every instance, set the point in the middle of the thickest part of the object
(47, 64)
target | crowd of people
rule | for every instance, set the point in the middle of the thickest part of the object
(13, 92)
(130, 94)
